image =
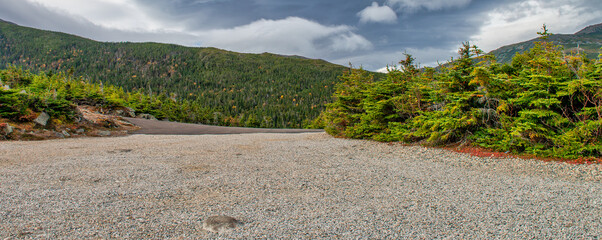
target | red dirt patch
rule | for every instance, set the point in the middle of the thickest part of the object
(483, 152)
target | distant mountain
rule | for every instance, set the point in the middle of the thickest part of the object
(592, 29)
(255, 90)
(588, 41)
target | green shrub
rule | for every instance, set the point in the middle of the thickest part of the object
(12, 104)
(545, 103)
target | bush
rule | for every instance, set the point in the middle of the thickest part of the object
(12, 104)
(545, 103)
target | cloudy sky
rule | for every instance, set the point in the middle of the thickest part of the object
(367, 33)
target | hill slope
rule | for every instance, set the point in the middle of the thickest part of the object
(587, 40)
(255, 90)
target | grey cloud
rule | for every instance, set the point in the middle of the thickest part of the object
(521, 20)
(292, 35)
(34, 15)
(430, 5)
(431, 30)
(426, 57)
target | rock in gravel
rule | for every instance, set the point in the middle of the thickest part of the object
(220, 224)
(42, 119)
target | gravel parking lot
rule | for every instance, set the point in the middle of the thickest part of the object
(303, 185)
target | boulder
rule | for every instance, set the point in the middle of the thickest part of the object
(91, 114)
(104, 133)
(66, 133)
(126, 112)
(42, 119)
(6, 129)
(80, 131)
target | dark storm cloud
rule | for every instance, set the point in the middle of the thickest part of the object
(441, 25)
(420, 28)
(368, 32)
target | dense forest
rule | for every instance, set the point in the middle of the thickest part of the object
(544, 103)
(252, 90)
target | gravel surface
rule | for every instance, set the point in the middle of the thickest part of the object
(306, 186)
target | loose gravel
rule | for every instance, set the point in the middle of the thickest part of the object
(300, 186)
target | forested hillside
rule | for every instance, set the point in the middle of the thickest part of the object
(253, 90)
(544, 103)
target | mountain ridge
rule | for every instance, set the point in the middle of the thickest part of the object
(596, 28)
(587, 40)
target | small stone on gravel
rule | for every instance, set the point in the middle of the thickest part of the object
(220, 224)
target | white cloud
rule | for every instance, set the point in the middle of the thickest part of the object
(292, 35)
(429, 5)
(521, 21)
(114, 14)
(36, 15)
(376, 13)
(380, 60)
